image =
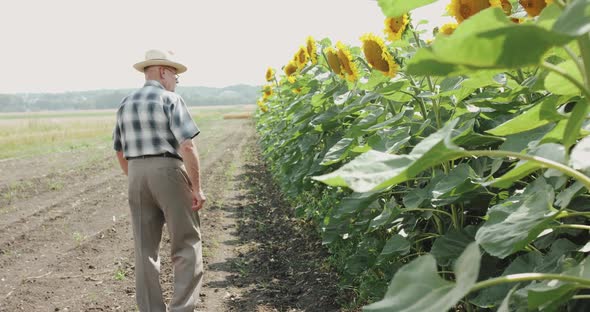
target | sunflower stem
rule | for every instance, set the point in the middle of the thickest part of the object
(528, 277)
(435, 104)
(573, 226)
(420, 100)
(536, 159)
(584, 43)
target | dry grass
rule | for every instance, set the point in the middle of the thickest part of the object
(23, 134)
(245, 115)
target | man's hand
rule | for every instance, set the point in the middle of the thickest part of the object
(198, 200)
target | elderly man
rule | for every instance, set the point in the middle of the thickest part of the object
(153, 139)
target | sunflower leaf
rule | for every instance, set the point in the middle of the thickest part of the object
(487, 40)
(558, 85)
(374, 170)
(417, 287)
(396, 8)
(575, 19)
(516, 222)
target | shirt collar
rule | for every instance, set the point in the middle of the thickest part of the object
(153, 83)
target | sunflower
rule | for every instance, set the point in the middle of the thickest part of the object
(448, 28)
(290, 68)
(503, 4)
(270, 74)
(301, 57)
(378, 56)
(312, 50)
(464, 9)
(395, 26)
(262, 106)
(297, 90)
(333, 61)
(534, 7)
(267, 89)
(348, 65)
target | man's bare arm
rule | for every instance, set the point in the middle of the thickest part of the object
(189, 154)
(122, 162)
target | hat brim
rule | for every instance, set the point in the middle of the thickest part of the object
(142, 65)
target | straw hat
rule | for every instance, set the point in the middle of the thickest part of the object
(158, 57)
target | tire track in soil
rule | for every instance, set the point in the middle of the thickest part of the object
(51, 257)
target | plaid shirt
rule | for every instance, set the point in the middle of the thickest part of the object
(152, 121)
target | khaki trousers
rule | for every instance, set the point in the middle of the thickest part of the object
(159, 191)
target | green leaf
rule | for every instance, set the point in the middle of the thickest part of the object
(396, 245)
(395, 8)
(448, 247)
(504, 307)
(487, 40)
(580, 157)
(541, 114)
(558, 85)
(375, 170)
(564, 198)
(517, 221)
(575, 19)
(551, 151)
(454, 185)
(417, 287)
(390, 211)
(549, 295)
(523, 140)
(574, 124)
(353, 203)
(338, 152)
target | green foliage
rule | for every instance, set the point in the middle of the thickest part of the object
(479, 141)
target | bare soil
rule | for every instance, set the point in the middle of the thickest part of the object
(66, 242)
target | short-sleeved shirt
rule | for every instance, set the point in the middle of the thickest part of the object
(151, 121)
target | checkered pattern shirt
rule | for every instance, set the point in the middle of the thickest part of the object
(152, 121)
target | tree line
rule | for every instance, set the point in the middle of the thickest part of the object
(104, 99)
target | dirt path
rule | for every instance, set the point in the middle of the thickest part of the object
(66, 242)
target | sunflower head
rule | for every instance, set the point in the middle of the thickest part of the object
(503, 4)
(378, 56)
(448, 28)
(301, 57)
(270, 74)
(297, 90)
(348, 66)
(262, 106)
(395, 27)
(312, 50)
(333, 61)
(267, 90)
(464, 9)
(290, 69)
(533, 7)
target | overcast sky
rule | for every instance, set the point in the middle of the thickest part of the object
(74, 45)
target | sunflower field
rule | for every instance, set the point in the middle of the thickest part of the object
(448, 173)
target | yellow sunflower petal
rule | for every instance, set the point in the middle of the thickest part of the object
(464, 9)
(395, 27)
(448, 28)
(270, 74)
(378, 56)
(348, 66)
(290, 68)
(312, 50)
(301, 57)
(333, 61)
